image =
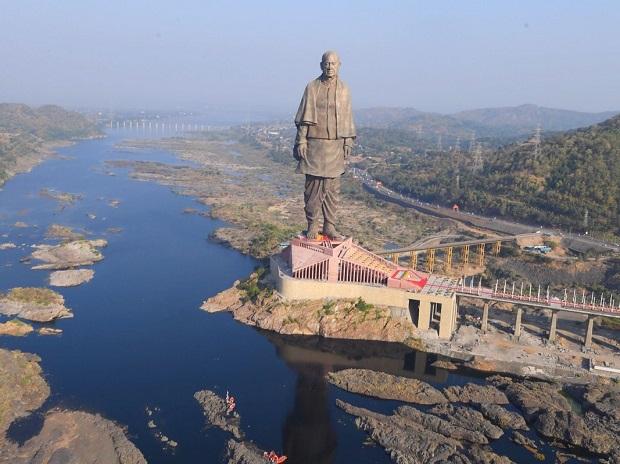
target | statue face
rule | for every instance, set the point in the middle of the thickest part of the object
(330, 65)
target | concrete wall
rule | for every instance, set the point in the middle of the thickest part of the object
(305, 289)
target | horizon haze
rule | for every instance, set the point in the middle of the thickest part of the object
(445, 57)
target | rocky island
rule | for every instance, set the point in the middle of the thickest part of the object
(66, 436)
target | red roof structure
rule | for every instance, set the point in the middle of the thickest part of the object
(344, 261)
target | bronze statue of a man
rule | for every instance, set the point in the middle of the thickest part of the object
(325, 134)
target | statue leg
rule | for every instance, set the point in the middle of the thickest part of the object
(313, 199)
(330, 207)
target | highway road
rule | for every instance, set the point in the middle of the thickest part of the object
(579, 243)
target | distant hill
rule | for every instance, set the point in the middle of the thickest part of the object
(48, 122)
(508, 123)
(570, 173)
(25, 130)
(525, 118)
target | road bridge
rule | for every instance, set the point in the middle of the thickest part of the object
(527, 294)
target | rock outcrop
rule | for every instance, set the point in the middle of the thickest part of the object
(214, 409)
(22, 387)
(462, 416)
(75, 437)
(34, 304)
(243, 453)
(15, 328)
(410, 442)
(386, 386)
(474, 393)
(263, 308)
(503, 418)
(69, 255)
(71, 277)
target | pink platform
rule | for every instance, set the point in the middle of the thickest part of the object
(344, 261)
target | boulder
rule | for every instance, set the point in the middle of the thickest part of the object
(386, 386)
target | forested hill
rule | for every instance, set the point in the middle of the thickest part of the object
(47, 122)
(555, 185)
(24, 130)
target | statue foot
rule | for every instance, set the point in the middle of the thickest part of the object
(332, 233)
(313, 232)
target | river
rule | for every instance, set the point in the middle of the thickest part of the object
(138, 339)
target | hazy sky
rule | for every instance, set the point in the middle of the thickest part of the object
(433, 55)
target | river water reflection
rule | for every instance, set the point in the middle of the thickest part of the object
(139, 340)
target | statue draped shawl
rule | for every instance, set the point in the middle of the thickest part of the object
(306, 114)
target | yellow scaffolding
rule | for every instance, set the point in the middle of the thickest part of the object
(448, 258)
(414, 260)
(481, 254)
(395, 257)
(497, 247)
(465, 254)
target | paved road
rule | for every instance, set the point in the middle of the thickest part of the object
(578, 243)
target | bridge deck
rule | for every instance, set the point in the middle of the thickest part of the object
(510, 238)
(552, 303)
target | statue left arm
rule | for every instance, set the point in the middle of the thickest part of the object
(348, 146)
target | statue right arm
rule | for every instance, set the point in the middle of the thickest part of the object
(301, 142)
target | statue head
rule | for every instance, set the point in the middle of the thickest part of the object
(330, 64)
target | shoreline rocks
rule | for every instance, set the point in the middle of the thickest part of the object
(34, 304)
(408, 439)
(386, 386)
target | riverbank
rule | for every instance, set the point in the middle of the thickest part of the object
(263, 199)
(254, 302)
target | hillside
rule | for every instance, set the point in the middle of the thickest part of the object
(572, 172)
(525, 118)
(507, 123)
(25, 130)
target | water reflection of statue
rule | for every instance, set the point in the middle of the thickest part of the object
(309, 435)
(325, 134)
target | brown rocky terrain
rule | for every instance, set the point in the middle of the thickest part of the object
(337, 319)
(71, 437)
(238, 450)
(263, 199)
(71, 277)
(68, 255)
(16, 328)
(22, 387)
(34, 304)
(457, 427)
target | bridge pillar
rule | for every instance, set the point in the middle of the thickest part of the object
(485, 317)
(553, 328)
(447, 320)
(395, 257)
(587, 343)
(430, 259)
(517, 333)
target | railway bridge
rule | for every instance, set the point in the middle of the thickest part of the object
(462, 252)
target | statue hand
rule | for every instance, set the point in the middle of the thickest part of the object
(300, 151)
(347, 151)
